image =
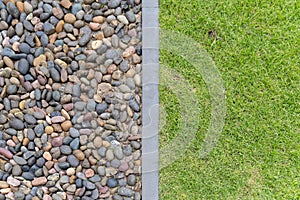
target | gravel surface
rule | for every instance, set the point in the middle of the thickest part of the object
(70, 99)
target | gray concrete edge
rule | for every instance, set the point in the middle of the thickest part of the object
(150, 100)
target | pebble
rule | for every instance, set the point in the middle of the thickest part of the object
(64, 149)
(71, 91)
(3, 184)
(70, 18)
(16, 170)
(114, 3)
(13, 10)
(16, 124)
(74, 162)
(39, 181)
(112, 182)
(13, 182)
(131, 180)
(48, 28)
(23, 66)
(123, 191)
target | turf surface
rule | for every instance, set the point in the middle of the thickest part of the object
(255, 45)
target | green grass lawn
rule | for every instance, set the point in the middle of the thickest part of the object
(256, 49)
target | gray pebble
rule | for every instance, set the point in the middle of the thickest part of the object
(102, 151)
(111, 53)
(39, 129)
(76, 90)
(19, 195)
(127, 150)
(108, 31)
(12, 89)
(95, 178)
(74, 162)
(74, 132)
(44, 40)
(91, 105)
(134, 105)
(115, 163)
(28, 26)
(112, 182)
(64, 149)
(86, 31)
(23, 66)
(118, 153)
(75, 144)
(100, 108)
(30, 119)
(123, 191)
(101, 170)
(55, 74)
(48, 28)
(24, 48)
(80, 105)
(19, 29)
(124, 66)
(131, 180)
(89, 185)
(56, 95)
(13, 10)
(28, 176)
(3, 119)
(130, 16)
(63, 165)
(16, 170)
(76, 7)
(20, 160)
(16, 124)
(114, 3)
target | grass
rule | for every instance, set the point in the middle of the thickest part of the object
(256, 49)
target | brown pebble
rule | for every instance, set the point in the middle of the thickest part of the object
(63, 75)
(52, 38)
(25, 141)
(47, 156)
(98, 19)
(47, 146)
(20, 6)
(66, 4)
(70, 18)
(37, 41)
(65, 114)
(60, 26)
(99, 35)
(95, 26)
(8, 62)
(57, 13)
(41, 60)
(57, 128)
(49, 130)
(3, 184)
(72, 180)
(79, 154)
(39, 181)
(89, 173)
(66, 125)
(49, 164)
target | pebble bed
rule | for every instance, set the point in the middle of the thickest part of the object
(70, 99)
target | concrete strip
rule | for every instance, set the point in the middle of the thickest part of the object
(150, 100)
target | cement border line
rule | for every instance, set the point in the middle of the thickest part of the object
(150, 100)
